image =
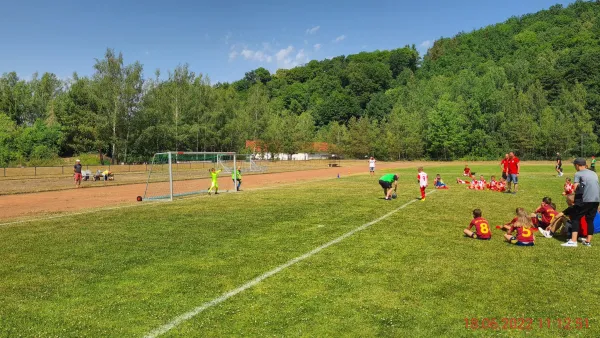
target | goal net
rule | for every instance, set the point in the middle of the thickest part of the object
(176, 174)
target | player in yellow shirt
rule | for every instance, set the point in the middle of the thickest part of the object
(236, 177)
(214, 175)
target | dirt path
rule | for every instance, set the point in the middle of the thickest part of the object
(51, 202)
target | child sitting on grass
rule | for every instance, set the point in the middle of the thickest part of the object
(482, 227)
(547, 211)
(568, 187)
(481, 184)
(493, 184)
(501, 186)
(524, 228)
(467, 171)
(474, 183)
(438, 183)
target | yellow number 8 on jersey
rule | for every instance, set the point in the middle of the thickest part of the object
(484, 228)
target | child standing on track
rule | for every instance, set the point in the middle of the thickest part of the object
(77, 173)
(214, 175)
(422, 177)
(372, 166)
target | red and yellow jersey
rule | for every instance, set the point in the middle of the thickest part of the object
(568, 188)
(482, 227)
(547, 213)
(524, 234)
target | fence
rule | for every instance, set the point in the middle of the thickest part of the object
(63, 171)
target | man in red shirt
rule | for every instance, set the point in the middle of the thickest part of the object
(482, 227)
(504, 166)
(513, 172)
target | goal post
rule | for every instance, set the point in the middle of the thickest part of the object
(175, 174)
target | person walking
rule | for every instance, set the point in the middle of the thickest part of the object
(514, 166)
(559, 165)
(587, 199)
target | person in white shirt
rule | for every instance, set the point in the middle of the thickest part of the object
(423, 182)
(372, 166)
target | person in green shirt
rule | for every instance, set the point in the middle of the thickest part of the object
(389, 183)
(237, 176)
(593, 167)
(214, 175)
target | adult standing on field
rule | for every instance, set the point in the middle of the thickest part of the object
(587, 199)
(504, 166)
(559, 165)
(77, 173)
(514, 166)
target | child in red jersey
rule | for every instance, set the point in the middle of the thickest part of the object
(493, 184)
(482, 227)
(467, 171)
(459, 181)
(423, 182)
(569, 189)
(481, 184)
(524, 228)
(474, 183)
(547, 212)
(510, 224)
(501, 186)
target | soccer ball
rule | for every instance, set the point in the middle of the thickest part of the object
(394, 196)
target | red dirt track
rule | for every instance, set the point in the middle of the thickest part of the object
(77, 200)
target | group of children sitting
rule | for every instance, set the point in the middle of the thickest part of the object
(545, 220)
(482, 184)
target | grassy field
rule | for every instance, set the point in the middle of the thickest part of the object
(125, 273)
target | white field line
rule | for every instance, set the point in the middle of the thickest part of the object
(194, 312)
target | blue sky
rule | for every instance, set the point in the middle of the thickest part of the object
(225, 39)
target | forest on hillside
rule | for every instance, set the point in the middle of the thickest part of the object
(530, 84)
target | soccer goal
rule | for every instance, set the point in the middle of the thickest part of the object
(176, 174)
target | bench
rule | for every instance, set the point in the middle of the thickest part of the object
(334, 165)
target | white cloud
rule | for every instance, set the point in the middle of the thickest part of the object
(259, 56)
(340, 38)
(284, 53)
(317, 46)
(313, 30)
(285, 58)
(301, 57)
(426, 44)
(233, 55)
